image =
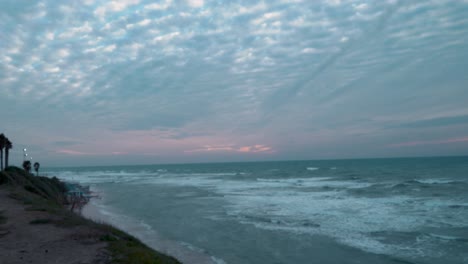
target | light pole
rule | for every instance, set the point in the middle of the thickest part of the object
(24, 154)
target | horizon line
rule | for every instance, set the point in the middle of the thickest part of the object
(259, 161)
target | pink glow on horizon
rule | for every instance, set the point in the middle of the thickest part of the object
(160, 143)
(434, 142)
(233, 148)
(245, 149)
(80, 153)
(255, 149)
(72, 152)
(209, 148)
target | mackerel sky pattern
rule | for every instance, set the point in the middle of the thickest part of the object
(134, 81)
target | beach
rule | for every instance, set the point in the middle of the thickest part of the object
(23, 242)
(37, 226)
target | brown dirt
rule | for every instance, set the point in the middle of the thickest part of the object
(23, 242)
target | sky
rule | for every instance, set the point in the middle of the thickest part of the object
(101, 82)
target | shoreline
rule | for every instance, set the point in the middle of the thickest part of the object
(183, 252)
(28, 235)
(36, 226)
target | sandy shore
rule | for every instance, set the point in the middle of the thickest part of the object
(35, 227)
(22, 241)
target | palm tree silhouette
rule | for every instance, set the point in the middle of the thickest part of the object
(8, 146)
(27, 165)
(36, 167)
(2, 146)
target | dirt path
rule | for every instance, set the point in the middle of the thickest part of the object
(23, 242)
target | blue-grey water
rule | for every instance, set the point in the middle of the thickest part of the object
(411, 210)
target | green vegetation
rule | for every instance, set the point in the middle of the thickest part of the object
(49, 195)
(127, 249)
(6, 144)
(50, 189)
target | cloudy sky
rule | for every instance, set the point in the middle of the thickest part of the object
(87, 82)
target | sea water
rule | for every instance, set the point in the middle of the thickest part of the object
(411, 210)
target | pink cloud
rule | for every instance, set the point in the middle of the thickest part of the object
(232, 148)
(255, 149)
(210, 148)
(432, 142)
(72, 152)
(245, 149)
(80, 153)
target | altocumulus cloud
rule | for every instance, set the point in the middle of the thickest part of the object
(175, 79)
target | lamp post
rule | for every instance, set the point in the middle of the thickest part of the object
(24, 154)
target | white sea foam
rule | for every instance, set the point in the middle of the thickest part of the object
(435, 181)
(94, 177)
(218, 260)
(278, 205)
(312, 205)
(294, 180)
(349, 220)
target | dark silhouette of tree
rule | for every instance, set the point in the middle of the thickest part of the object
(2, 146)
(8, 146)
(27, 165)
(36, 168)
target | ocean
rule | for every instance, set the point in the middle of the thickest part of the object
(412, 210)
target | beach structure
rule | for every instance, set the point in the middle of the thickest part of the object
(77, 195)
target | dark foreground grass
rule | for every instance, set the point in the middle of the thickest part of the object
(127, 249)
(3, 218)
(48, 195)
(41, 221)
